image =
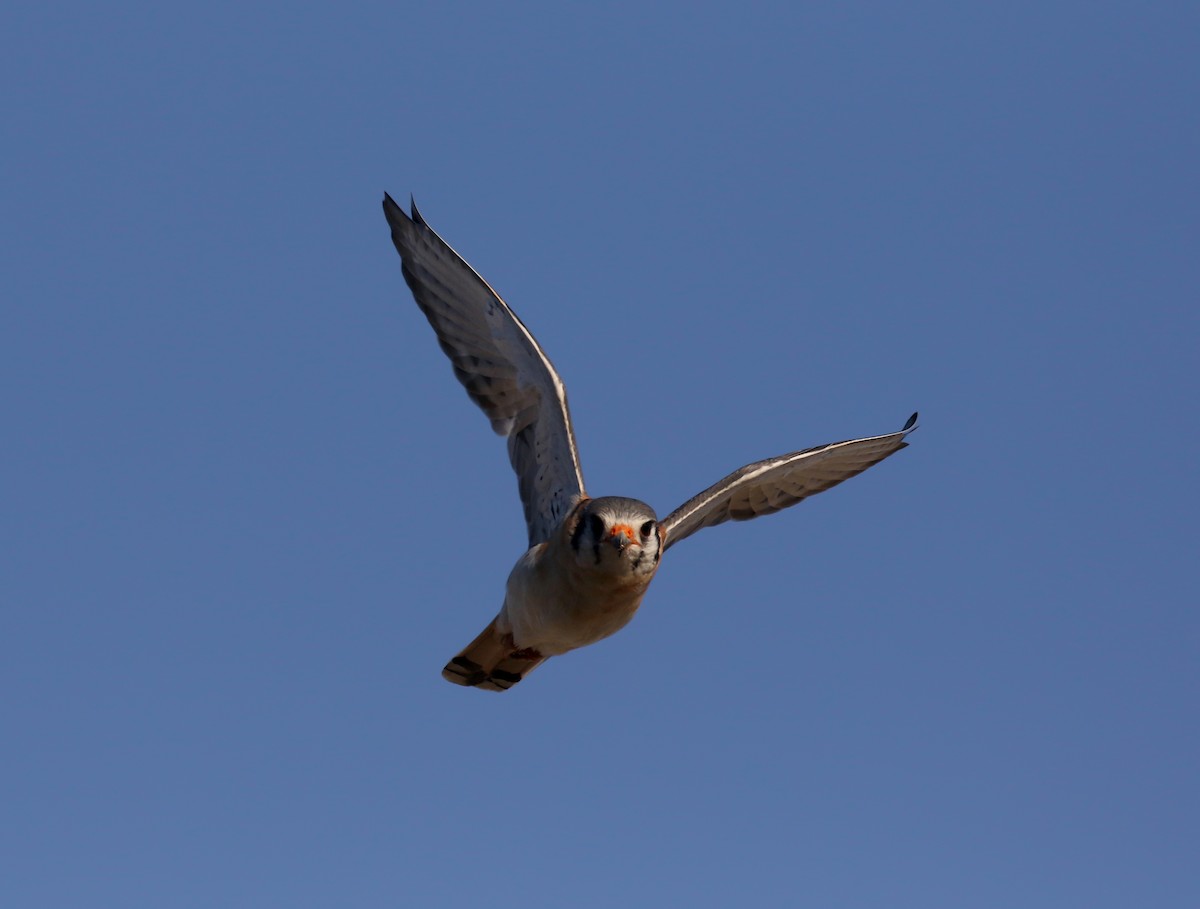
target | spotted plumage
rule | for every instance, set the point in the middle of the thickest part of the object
(589, 560)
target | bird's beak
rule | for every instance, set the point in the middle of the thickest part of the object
(621, 535)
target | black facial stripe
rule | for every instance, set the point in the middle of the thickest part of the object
(577, 535)
(658, 551)
(577, 516)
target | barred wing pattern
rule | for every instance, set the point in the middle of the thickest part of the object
(500, 364)
(766, 487)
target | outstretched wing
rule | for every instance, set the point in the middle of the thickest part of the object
(500, 364)
(772, 485)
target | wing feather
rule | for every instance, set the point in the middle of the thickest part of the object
(501, 366)
(766, 487)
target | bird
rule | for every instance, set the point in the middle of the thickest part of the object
(589, 560)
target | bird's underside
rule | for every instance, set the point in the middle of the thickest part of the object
(590, 560)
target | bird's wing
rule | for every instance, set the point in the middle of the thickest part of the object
(500, 364)
(772, 485)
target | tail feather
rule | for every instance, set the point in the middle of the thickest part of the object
(491, 662)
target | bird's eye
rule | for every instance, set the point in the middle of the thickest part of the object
(597, 526)
(647, 529)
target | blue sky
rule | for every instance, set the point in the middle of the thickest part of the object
(247, 512)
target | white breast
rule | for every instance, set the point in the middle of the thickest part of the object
(554, 605)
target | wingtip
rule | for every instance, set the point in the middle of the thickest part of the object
(416, 215)
(394, 211)
(911, 424)
(390, 208)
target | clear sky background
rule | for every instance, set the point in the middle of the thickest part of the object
(247, 513)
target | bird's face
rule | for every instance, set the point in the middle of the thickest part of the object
(617, 536)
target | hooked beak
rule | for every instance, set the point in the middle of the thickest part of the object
(621, 535)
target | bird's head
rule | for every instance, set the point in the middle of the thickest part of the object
(616, 535)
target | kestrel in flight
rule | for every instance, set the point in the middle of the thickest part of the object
(589, 560)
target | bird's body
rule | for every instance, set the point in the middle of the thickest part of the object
(590, 560)
(574, 590)
(578, 587)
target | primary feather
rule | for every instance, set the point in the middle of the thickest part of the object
(502, 367)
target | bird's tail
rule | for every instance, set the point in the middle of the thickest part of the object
(492, 662)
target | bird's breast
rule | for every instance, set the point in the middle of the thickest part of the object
(555, 605)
